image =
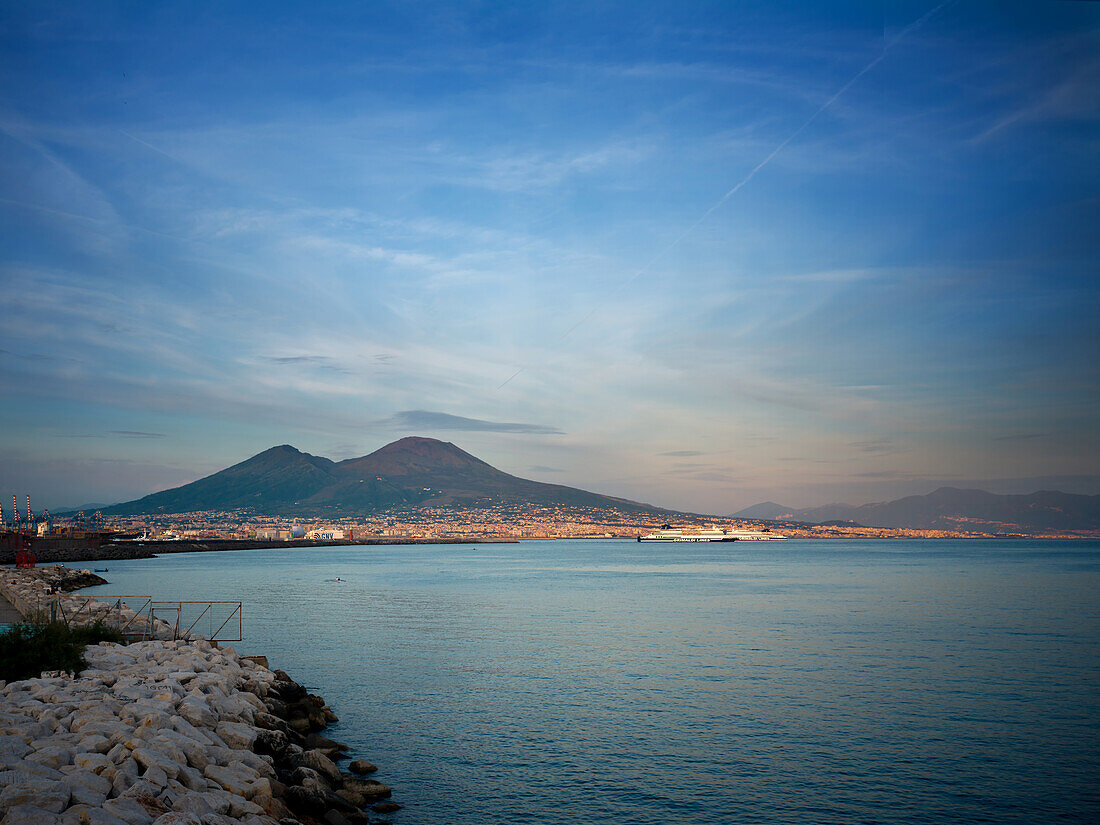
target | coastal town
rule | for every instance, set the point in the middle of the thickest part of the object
(486, 523)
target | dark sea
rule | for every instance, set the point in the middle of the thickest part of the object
(614, 682)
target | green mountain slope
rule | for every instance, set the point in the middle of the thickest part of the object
(411, 472)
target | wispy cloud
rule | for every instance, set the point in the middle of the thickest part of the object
(425, 419)
(877, 445)
(321, 362)
(136, 434)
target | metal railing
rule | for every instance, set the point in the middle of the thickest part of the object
(211, 611)
(135, 624)
(148, 619)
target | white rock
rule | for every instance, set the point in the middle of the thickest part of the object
(30, 815)
(145, 794)
(90, 815)
(197, 712)
(195, 803)
(14, 745)
(125, 777)
(95, 762)
(36, 770)
(151, 759)
(237, 806)
(177, 818)
(192, 779)
(52, 756)
(96, 743)
(236, 779)
(181, 725)
(118, 754)
(47, 794)
(237, 735)
(156, 776)
(87, 788)
(128, 810)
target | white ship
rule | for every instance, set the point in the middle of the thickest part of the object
(668, 533)
(757, 535)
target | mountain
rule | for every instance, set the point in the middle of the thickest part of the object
(412, 472)
(949, 508)
(274, 476)
(767, 511)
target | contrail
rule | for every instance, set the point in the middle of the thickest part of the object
(752, 172)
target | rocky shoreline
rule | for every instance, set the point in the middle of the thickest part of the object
(172, 732)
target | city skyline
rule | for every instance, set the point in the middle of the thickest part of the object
(698, 256)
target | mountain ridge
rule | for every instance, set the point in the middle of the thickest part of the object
(952, 508)
(411, 472)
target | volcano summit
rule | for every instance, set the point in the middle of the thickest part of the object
(411, 473)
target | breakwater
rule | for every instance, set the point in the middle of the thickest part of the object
(171, 732)
(48, 550)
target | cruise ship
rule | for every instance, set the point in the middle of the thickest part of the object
(668, 533)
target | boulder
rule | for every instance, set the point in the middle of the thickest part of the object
(94, 762)
(145, 795)
(237, 735)
(96, 743)
(272, 806)
(128, 810)
(90, 815)
(191, 779)
(234, 805)
(316, 741)
(367, 787)
(269, 721)
(237, 779)
(315, 802)
(14, 746)
(86, 788)
(197, 712)
(30, 815)
(272, 742)
(195, 803)
(52, 756)
(323, 765)
(150, 759)
(45, 794)
(361, 766)
(177, 818)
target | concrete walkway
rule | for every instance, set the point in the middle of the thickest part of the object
(8, 614)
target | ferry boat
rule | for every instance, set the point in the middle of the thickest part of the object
(757, 535)
(669, 533)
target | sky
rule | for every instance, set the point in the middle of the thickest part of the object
(697, 254)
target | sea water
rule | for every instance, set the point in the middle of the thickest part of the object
(616, 682)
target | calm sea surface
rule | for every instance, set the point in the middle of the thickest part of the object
(615, 682)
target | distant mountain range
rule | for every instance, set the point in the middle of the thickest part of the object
(412, 472)
(949, 508)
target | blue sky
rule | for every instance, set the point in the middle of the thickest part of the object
(510, 226)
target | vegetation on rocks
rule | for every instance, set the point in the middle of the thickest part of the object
(28, 649)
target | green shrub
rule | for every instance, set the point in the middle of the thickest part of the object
(29, 648)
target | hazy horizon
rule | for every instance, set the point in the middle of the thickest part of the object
(698, 255)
